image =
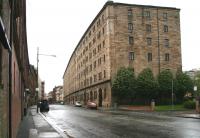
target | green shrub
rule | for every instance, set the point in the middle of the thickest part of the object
(189, 104)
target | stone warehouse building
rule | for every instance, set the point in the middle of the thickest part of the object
(122, 35)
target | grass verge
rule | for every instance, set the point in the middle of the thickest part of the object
(169, 108)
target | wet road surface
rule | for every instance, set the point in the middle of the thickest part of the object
(78, 122)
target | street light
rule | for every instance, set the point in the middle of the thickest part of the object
(38, 72)
(172, 94)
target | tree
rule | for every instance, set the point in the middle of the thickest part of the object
(184, 84)
(123, 86)
(165, 83)
(147, 86)
(197, 84)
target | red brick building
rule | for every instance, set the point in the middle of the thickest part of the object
(14, 66)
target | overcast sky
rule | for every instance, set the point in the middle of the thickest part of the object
(56, 26)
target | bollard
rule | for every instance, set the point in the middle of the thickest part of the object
(197, 106)
(152, 105)
(115, 106)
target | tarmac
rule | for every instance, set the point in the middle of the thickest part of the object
(35, 125)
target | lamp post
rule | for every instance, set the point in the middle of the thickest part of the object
(172, 94)
(196, 94)
(37, 89)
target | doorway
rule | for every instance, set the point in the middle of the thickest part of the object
(100, 97)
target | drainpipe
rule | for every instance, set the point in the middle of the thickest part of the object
(158, 42)
(10, 71)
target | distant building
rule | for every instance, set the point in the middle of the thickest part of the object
(122, 35)
(193, 73)
(32, 85)
(50, 97)
(58, 94)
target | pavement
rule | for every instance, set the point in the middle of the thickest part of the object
(184, 114)
(35, 125)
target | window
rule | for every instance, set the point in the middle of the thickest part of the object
(149, 57)
(165, 16)
(91, 95)
(99, 48)
(99, 34)
(95, 64)
(87, 82)
(90, 55)
(103, 43)
(130, 39)
(166, 42)
(95, 78)
(84, 82)
(130, 14)
(89, 33)
(104, 58)
(104, 95)
(98, 22)
(90, 80)
(130, 27)
(86, 59)
(104, 73)
(103, 30)
(93, 28)
(94, 52)
(90, 67)
(131, 55)
(147, 14)
(149, 41)
(95, 94)
(90, 45)
(103, 18)
(99, 61)
(165, 28)
(100, 75)
(166, 56)
(86, 70)
(94, 40)
(148, 28)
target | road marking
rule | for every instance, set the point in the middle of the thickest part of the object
(59, 130)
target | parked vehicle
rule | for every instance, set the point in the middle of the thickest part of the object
(91, 105)
(78, 104)
(44, 106)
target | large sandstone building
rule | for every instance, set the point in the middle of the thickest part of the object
(122, 35)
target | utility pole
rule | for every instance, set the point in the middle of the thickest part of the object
(10, 71)
(37, 89)
(172, 94)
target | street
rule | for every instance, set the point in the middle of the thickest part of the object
(79, 122)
